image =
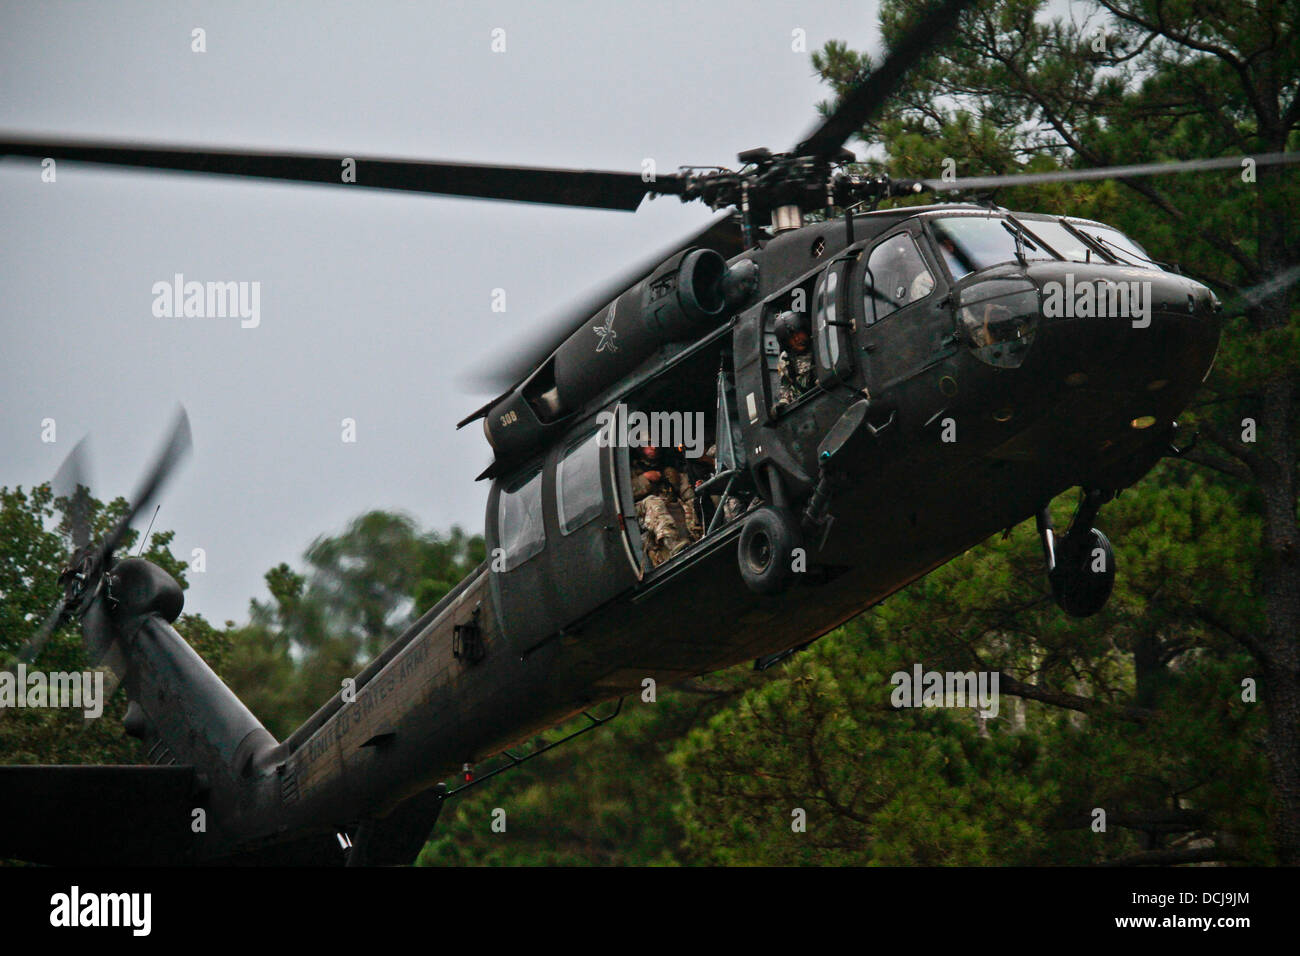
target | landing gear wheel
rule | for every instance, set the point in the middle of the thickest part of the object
(766, 542)
(1085, 575)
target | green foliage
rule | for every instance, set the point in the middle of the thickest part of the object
(884, 786)
(35, 541)
(603, 799)
(360, 590)
(876, 785)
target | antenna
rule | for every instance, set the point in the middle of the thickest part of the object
(145, 539)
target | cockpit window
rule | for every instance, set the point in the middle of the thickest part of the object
(896, 276)
(1118, 245)
(971, 243)
(1063, 242)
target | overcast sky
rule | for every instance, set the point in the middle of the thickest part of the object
(371, 302)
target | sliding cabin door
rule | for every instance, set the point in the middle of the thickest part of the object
(567, 537)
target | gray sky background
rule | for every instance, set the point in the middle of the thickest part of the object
(372, 302)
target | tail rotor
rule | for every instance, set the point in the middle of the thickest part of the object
(84, 578)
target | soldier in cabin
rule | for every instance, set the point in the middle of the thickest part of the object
(795, 366)
(697, 471)
(680, 474)
(658, 488)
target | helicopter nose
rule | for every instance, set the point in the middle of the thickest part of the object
(1123, 328)
(1092, 363)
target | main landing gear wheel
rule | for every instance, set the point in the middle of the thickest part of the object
(1080, 564)
(769, 537)
(1084, 575)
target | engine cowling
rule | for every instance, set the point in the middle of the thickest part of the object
(683, 298)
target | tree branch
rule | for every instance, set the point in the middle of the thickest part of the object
(1209, 854)
(1084, 705)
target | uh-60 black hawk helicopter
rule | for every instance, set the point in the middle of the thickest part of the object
(1007, 331)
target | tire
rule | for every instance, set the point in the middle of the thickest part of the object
(1080, 589)
(766, 542)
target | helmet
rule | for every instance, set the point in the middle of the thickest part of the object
(788, 323)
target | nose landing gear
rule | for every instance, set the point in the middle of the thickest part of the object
(1080, 563)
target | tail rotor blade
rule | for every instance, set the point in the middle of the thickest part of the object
(176, 447)
(82, 580)
(70, 482)
(36, 643)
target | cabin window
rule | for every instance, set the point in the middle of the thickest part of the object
(578, 484)
(520, 531)
(819, 321)
(828, 345)
(896, 276)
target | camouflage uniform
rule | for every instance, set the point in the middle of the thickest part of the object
(795, 370)
(732, 506)
(663, 508)
(681, 483)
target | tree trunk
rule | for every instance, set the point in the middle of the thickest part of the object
(1274, 469)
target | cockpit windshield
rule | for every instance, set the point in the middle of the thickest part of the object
(971, 243)
(1063, 242)
(1118, 245)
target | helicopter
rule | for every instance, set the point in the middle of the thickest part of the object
(966, 365)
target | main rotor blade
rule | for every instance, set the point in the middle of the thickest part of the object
(177, 445)
(1248, 298)
(722, 234)
(563, 187)
(1108, 172)
(860, 105)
